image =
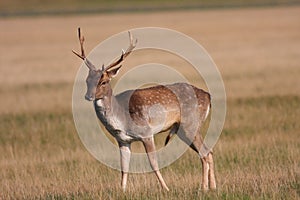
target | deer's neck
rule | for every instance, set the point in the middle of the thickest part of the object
(109, 112)
(105, 103)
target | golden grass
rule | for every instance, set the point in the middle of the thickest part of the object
(257, 156)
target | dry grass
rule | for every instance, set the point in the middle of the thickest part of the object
(257, 156)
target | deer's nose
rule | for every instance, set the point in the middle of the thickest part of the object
(89, 97)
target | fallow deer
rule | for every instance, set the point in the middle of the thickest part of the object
(137, 115)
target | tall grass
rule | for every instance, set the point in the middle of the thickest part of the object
(42, 157)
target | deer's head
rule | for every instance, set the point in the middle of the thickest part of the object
(98, 80)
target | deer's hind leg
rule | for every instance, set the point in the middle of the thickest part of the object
(196, 143)
(208, 178)
(207, 162)
(211, 173)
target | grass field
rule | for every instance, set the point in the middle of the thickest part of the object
(257, 157)
(10, 8)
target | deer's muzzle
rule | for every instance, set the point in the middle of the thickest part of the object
(89, 97)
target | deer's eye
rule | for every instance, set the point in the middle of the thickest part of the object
(103, 83)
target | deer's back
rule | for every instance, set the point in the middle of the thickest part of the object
(162, 106)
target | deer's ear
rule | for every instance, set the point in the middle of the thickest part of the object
(113, 72)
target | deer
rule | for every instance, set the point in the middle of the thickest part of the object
(138, 115)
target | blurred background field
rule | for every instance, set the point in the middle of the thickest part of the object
(255, 45)
(61, 7)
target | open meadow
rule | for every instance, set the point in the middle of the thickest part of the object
(257, 156)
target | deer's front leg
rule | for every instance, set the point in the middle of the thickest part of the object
(125, 160)
(151, 153)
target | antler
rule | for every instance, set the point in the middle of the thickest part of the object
(132, 45)
(82, 56)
